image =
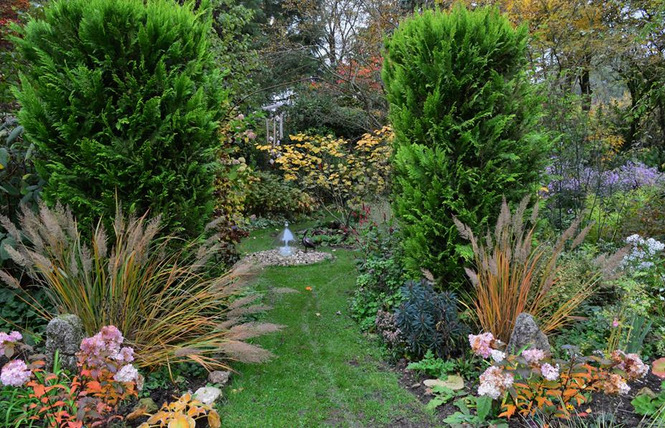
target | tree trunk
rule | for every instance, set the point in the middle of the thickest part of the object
(585, 89)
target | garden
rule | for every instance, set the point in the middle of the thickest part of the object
(347, 213)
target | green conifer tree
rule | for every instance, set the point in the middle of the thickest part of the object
(122, 99)
(463, 112)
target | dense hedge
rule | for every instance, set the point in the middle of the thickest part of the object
(463, 114)
(122, 99)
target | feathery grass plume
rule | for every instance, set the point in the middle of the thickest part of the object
(244, 352)
(282, 290)
(9, 280)
(251, 330)
(513, 276)
(162, 301)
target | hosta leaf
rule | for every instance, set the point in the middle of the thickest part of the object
(181, 421)
(160, 417)
(213, 419)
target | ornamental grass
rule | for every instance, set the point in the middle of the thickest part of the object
(162, 300)
(516, 274)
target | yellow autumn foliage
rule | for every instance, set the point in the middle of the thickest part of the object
(335, 169)
(183, 413)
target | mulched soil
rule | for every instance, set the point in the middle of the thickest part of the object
(618, 406)
(414, 383)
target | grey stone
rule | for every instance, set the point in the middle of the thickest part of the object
(527, 335)
(219, 377)
(147, 404)
(646, 391)
(207, 394)
(64, 334)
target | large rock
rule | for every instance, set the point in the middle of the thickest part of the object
(146, 405)
(207, 394)
(219, 377)
(64, 334)
(453, 382)
(527, 335)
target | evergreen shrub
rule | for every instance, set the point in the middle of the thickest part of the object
(463, 112)
(122, 99)
(429, 321)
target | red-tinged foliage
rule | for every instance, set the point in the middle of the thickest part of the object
(365, 75)
(558, 398)
(9, 12)
(658, 368)
(91, 397)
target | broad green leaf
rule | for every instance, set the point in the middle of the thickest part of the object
(484, 407)
(4, 158)
(15, 134)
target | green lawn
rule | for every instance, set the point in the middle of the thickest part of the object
(326, 372)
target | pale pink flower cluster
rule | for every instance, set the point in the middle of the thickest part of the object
(105, 344)
(533, 356)
(127, 373)
(481, 344)
(15, 373)
(8, 339)
(631, 364)
(615, 384)
(549, 372)
(494, 382)
(104, 352)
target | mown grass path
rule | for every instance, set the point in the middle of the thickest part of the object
(326, 372)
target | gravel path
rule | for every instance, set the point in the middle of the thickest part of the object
(298, 257)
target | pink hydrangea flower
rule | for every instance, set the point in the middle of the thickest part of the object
(5, 339)
(127, 373)
(533, 356)
(8, 340)
(489, 390)
(110, 333)
(481, 344)
(93, 350)
(15, 373)
(497, 355)
(494, 382)
(92, 345)
(630, 363)
(125, 355)
(635, 367)
(105, 344)
(615, 384)
(549, 372)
